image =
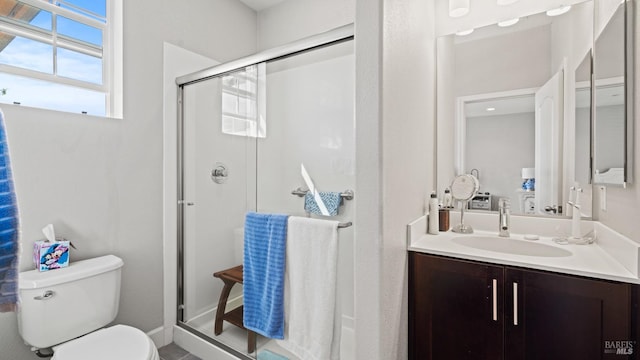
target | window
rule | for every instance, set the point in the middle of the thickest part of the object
(243, 102)
(62, 55)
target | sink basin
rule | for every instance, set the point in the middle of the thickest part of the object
(511, 246)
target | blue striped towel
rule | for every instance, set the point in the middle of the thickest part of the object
(8, 229)
(265, 238)
(331, 200)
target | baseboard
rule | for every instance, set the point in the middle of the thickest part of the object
(157, 335)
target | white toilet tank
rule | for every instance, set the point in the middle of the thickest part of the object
(63, 304)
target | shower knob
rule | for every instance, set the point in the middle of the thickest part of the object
(219, 174)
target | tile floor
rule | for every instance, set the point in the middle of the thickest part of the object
(174, 352)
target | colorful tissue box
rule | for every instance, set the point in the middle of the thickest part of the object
(50, 255)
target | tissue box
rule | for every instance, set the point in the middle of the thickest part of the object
(50, 255)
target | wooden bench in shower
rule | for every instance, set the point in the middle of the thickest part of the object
(231, 277)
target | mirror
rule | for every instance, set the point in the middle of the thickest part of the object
(505, 109)
(582, 115)
(613, 99)
(583, 120)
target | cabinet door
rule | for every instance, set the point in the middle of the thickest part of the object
(455, 309)
(552, 316)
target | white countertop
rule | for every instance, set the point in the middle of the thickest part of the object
(585, 260)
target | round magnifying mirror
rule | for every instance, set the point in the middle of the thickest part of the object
(463, 188)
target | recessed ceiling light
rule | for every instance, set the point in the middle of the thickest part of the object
(508, 22)
(505, 2)
(558, 11)
(490, 109)
(464, 32)
(458, 8)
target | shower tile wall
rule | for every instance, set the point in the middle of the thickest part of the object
(310, 121)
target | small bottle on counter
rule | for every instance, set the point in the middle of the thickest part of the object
(447, 200)
(433, 226)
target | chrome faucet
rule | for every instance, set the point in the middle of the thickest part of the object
(576, 233)
(503, 225)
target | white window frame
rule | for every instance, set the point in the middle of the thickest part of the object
(111, 56)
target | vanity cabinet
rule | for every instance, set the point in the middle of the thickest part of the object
(462, 309)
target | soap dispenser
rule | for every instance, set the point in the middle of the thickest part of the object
(434, 222)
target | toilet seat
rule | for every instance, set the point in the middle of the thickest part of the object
(120, 342)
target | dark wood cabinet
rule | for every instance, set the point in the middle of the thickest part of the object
(462, 309)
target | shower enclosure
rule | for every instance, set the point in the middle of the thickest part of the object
(245, 130)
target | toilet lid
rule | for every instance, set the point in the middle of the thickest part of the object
(117, 342)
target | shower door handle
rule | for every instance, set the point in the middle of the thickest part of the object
(184, 202)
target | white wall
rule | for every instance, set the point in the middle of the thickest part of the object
(369, 326)
(99, 181)
(295, 19)
(408, 160)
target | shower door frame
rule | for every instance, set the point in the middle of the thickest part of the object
(331, 37)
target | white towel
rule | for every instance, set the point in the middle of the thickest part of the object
(312, 323)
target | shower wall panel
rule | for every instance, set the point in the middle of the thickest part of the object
(310, 121)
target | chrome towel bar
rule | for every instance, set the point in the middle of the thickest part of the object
(347, 194)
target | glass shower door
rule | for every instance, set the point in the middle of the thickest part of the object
(221, 123)
(232, 162)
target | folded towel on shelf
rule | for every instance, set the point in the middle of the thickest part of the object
(8, 229)
(331, 200)
(263, 275)
(312, 319)
(268, 355)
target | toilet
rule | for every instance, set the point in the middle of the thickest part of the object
(67, 309)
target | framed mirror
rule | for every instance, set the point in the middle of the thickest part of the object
(612, 131)
(506, 107)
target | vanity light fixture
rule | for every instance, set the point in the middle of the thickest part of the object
(558, 11)
(505, 2)
(510, 22)
(464, 32)
(490, 109)
(458, 8)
